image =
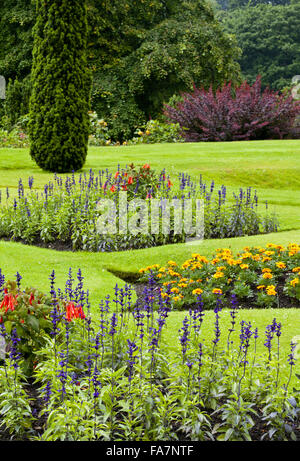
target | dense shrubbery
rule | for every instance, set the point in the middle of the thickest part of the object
(13, 138)
(67, 213)
(229, 114)
(115, 377)
(154, 131)
(258, 277)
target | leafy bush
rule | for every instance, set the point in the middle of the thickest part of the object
(15, 138)
(156, 131)
(229, 114)
(99, 133)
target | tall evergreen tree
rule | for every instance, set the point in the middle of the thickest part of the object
(59, 120)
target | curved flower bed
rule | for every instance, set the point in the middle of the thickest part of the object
(259, 277)
(67, 213)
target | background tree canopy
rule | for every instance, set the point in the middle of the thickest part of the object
(269, 36)
(142, 52)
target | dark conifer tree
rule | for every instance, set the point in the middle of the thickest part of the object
(61, 82)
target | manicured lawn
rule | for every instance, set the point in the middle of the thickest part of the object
(271, 167)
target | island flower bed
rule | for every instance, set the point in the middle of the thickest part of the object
(66, 214)
(259, 277)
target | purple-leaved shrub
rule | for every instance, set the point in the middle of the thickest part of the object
(233, 114)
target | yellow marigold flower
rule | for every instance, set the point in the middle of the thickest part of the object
(183, 280)
(162, 269)
(281, 265)
(174, 290)
(244, 266)
(269, 253)
(165, 295)
(215, 261)
(182, 285)
(142, 270)
(172, 263)
(261, 287)
(159, 275)
(296, 269)
(186, 265)
(271, 290)
(256, 258)
(218, 275)
(199, 280)
(197, 291)
(217, 291)
(266, 269)
(247, 255)
(231, 262)
(267, 275)
(165, 284)
(176, 298)
(294, 282)
(266, 258)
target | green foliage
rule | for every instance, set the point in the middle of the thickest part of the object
(16, 21)
(16, 104)
(99, 133)
(141, 52)
(156, 131)
(188, 46)
(13, 138)
(269, 37)
(28, 312)
(59, 121)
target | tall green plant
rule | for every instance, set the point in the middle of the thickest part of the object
(59, 120)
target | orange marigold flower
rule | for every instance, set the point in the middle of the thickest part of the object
(217, 291)
(197, 291)
(281, 265)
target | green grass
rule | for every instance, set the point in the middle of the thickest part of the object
(271, 167)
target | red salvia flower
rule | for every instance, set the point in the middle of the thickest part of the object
(74, 312)
(9, 302)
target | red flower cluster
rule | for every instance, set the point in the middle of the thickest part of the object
(9, 301)
(74, 312)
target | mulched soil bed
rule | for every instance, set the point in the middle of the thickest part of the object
(284, 300)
